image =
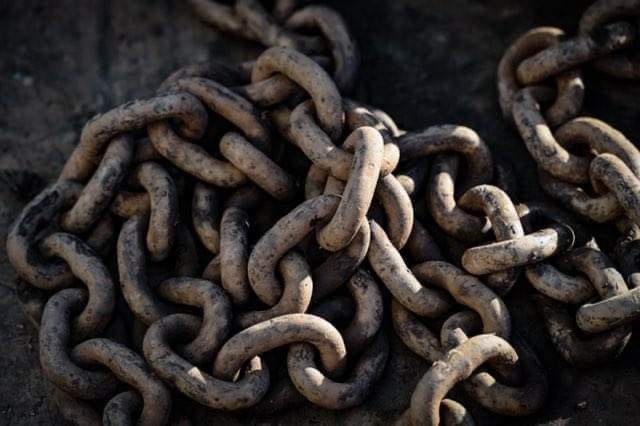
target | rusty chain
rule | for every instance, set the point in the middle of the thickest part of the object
(249, 207)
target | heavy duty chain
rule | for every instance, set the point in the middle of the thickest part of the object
(248, 207)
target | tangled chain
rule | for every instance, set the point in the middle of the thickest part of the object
(250, 207)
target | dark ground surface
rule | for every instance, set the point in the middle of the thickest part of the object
(424, 62)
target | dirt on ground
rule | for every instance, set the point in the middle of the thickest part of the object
(424, 62)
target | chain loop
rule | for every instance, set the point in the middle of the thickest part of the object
(130, 368)
(192, 381)
(281, 331)
(458, 364)
(182, 107)
(284, 235)
(619, 64)
(55, 358)
(578, 50)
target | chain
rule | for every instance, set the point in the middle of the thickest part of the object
(249, 207)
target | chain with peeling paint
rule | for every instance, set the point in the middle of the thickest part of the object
(248, 207)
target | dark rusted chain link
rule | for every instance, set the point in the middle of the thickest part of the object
(38, 216)
(358, 191)
(569, 85)
(87, 267)
(216, 314)
(531, 385)
(189, 379)
(505, 223)
(280, 331)
(601, 277)
(182, 107)
(575, 51)
(503, 399)
(296, 295)
(206, 211)
(324, 392)
(346, 58)
(131, 369)
(457, 365)
(442, 204)
(290, 268)
(559, 287)
(511, 401)
(451, 138)
(525, 250)
(572, 345)
(620, 64)
(363, 328)
(234, 254)
(600, 138)
(101, 188)
(309, 75)
(537, 136)
(285, 234)
(248, 19)
(55, 357)
(389, 266)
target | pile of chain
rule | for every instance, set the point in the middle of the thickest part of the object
(251, 207)
(584, 164)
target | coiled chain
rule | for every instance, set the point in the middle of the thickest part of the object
(249, 207)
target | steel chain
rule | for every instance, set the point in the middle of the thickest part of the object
(280, 232)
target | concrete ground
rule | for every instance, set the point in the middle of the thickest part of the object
(424, 62)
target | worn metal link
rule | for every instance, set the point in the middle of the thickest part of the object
(457, 365)
(600, 138)
(343, 49)
(182, 107)
(88, 268)
(248, 19)
(216, 316)
(285, 235)
(571, 344)
(505, 224)
(130, 368)
(189, 379)
(570, 89)
(623, 64)
(296, 295)
(55, 357)
(36, 218)
(323, 391)
(358, 191)
(578, 50)
(520, 398)
(283, 330)
(101, 188)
